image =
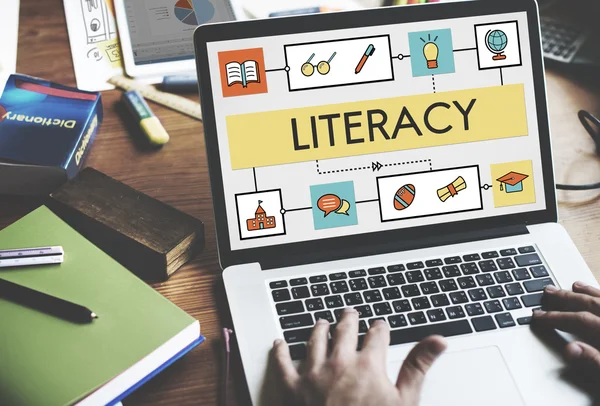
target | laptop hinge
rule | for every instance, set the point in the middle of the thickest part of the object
(395, 246)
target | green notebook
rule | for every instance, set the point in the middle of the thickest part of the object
(48, 361)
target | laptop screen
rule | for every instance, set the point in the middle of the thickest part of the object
(354, 131)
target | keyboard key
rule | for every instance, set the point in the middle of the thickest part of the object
(526, 250)
(493, 306)
(503, 277)
(485, 279)
(514, 289)
(528, 260)
(302, 292)
(505, 320)
(319, 289)
(314, 304)
(297, 336)
(505, 263)
(452, 260)
(448, 285)
(300, 320)
(391, 293)
(372, 321)
(495, 292)
(377, 281)
(324, 315)
(372, 296)
(396, 279)
(377, 271)
(358, 284)
(410, 290)
(524, 320)
(278, 284)
(364, 311)
(415, 334)
(508, 252)
(539, 271)
(537, 285)
(477, 295)
(290, 307)
(362, 327)
(339, 287)
(318, 279)
(466, 282)
(436, 315)
(471, 257)
(415, 265)
(334, 301)
(358, 273)
(397, 320)
(474, 309)
(401, 306)
(458, 297)
(281, 295)
(414, 276)
(469, 268)
(417, 318)
(451, 271)
(455, 312)
(432, 274)
(336, 276)
(490, 255)
(434, 262)
(488, 266)
(298, 281)
(511, 303)
(420, 303)
(381, 309)
(440, 300)
(353, 299)
(298, 352)
(521, 274)
(396, 268)
(429, 288)
(484, 323)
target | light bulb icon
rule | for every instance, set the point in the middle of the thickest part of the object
(431, 52)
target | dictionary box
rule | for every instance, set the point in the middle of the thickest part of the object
(46, 132)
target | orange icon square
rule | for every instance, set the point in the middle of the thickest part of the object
(243, 72)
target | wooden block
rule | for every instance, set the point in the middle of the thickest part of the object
(150, 238)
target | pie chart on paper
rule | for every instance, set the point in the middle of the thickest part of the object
(194, 12)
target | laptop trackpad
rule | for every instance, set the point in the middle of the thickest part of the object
(472, 377)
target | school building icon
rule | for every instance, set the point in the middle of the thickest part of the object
(260, 221)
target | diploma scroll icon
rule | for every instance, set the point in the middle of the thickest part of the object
(452, 189)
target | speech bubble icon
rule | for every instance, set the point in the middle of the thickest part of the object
(329, 203)
(344, 208)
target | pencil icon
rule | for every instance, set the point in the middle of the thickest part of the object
(363, 60)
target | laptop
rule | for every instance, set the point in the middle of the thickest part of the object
(398, 161)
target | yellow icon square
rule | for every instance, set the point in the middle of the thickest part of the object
(513, 183)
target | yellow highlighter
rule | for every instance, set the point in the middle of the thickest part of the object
(152, 128)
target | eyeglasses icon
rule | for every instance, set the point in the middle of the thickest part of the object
(323, 67)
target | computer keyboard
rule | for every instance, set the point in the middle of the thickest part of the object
(560, 41)
(460, 294)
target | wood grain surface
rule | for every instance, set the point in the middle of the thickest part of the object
(178, 175)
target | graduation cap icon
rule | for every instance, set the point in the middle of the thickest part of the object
(513, 182)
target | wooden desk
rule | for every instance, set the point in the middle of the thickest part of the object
(178, 175)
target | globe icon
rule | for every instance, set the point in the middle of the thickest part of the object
(496, 42)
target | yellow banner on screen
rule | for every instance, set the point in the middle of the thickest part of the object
(374, 126)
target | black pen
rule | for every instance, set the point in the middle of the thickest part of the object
(45, 303)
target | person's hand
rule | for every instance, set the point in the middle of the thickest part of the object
(345, 376)
(578, 313)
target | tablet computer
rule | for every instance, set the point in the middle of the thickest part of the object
(157, 35)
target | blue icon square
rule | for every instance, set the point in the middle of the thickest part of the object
(333, 205)
(431, 52)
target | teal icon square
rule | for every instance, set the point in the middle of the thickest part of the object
(431, 52)
(333, 205)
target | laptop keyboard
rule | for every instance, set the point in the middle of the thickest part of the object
(461, 294)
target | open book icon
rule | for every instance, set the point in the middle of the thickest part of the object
(242, 73)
